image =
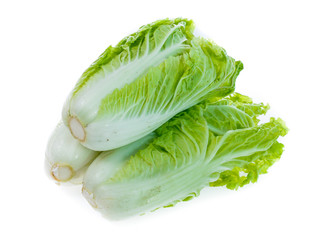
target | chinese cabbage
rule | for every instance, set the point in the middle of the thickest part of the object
(149, 77)
(189, 152)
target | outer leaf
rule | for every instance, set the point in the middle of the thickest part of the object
(248, 172)
(243, 103)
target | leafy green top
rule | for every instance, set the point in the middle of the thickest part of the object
(147, 38)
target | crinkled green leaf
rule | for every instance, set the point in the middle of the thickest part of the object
(233, 112)
(243, 103)
(159, 35)
(256, 164)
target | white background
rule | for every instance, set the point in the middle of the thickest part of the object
(46, 45)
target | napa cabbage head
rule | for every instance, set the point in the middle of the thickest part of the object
(149, 77)
(220, 143)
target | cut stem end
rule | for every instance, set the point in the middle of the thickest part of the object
(77, 130)
(89, 197)
(62, 173)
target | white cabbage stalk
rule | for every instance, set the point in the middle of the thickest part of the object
(138, 85)
(66, 159)
(202, 146)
